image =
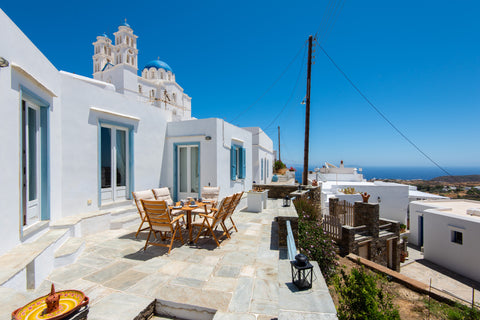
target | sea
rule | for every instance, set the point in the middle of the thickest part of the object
(403, 173)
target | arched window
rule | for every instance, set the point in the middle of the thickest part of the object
(161, 75)
(139, 88)
(174, 96)
(169, 77)
(152, 74)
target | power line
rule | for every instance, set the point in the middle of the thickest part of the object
(273, 84)
(380, 113)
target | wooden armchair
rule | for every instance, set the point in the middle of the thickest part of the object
(211, 221)
(209, 194)
(160, 220)
(138, 196)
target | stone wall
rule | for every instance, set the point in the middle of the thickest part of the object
(374, 233)
(277, 191)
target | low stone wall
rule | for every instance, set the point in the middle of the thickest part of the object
(277, 191)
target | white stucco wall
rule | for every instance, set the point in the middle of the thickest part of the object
(262, 152)
(214, 153)
(20, 51)
(80, 140)
(438, 247)
(393, 197)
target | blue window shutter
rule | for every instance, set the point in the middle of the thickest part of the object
(262, 169)
(243, 162)
(233, 164)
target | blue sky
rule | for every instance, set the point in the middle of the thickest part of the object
(417, 61)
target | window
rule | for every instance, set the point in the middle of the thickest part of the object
(457, 237)
(237, 162)
(139, 88)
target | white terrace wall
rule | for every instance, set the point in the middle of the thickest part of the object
(214, 153)
(84, 105)
(262, 152)
(393, 197)
(439, 248)
(29, 69)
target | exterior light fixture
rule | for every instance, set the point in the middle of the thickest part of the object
(3, 62)
(379, 200)
(302, 272)
(208, 138)
(286, 201)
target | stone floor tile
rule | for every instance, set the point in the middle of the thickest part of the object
(109, 272)
(234, 316)
(198, 271)
(260, 306)
(173, 268)
(228, 271)
(152, 265)
(221, 284)
(242, 296)
(187, 282)
(70, 273)
(149, 285)
(248, 271)
(118, 306)
(125, 280)
(265, 289)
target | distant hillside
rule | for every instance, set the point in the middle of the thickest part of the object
(455, 179)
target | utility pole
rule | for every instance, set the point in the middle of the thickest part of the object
(307, 114)
(279, 157)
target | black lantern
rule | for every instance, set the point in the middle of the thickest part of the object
(302, 272)
(286, 201)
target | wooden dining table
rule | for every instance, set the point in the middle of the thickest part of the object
(188, 210)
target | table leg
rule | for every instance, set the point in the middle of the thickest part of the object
(189, 226)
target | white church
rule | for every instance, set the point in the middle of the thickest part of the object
(74, 147)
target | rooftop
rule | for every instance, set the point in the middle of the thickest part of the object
(457, 207)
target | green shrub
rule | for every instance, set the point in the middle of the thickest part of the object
(359, 297)
(313, 241)
(279, 165)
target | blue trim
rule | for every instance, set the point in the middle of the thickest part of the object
(175, 167)
(131, 156)
(261, 160)
(243, 160)
(233, 163)
(131, 149)
(26, 94)
(99, 163)
(45, 161)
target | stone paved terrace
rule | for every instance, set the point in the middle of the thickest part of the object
(246, 278)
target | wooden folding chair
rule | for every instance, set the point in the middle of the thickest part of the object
(236, 200)
(138, 196)
(213, 220)
(160, 220)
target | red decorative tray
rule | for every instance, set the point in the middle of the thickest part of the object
(70, 301)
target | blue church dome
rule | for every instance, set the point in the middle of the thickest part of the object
(104, 35)
(126, 24)
(158, 65)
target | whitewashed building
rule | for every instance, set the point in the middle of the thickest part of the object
(263, 156)
(74, 147)
(449, 232)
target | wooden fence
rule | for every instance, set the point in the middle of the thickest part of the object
(344, 211)
(333, 227)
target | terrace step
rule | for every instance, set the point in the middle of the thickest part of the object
(69, 252)
(125, 221)
(18, 268)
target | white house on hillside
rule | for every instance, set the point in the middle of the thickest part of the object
(77, 147)
(449, 232)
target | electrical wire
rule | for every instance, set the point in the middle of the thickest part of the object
(273, 84)
(380, 113)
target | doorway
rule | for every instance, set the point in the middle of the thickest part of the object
(31, 164)
(188, 171)
(114, 164)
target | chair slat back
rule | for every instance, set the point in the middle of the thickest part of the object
(138, 196)
(158, 214)
(222, 210)
(163, 194)
(235, 201)
(210, 193)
